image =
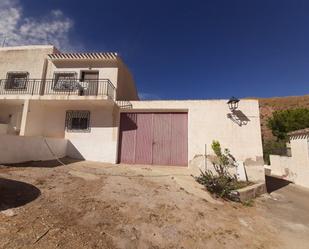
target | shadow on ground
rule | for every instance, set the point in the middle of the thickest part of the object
(15, 193)
(45, 164)
(274, 183)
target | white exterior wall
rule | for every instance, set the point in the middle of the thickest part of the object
(300, 159)
(11, 115)
(47, 119)
(296, 167)
(208, 121)
(100, 144)
(17, 149)
(25, 58)
(281, 166)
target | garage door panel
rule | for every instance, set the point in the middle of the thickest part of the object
(179, 139)
(162, 139)
(144, 138)
(128, 129)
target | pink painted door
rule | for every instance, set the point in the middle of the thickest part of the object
(179, 139)
(143, 144)
(162, 139)
(154, 138)
(127, 139)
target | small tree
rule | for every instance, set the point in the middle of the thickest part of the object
(222, 182)
(286, 121)
(281, 123)
(223, 160)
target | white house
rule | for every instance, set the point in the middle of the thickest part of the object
(85, 105)
(294, 168)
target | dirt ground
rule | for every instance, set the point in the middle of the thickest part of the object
(95, 205)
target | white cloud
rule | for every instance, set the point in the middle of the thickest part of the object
(53, 28)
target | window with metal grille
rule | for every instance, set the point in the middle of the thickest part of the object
(16, 80)
(77, 121)
(65, 81)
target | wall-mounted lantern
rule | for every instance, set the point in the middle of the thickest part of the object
(233, 103)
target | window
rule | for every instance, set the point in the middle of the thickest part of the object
(77, 121)
(65, 81)
(16, 80)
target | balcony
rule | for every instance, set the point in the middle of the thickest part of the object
(63, 87)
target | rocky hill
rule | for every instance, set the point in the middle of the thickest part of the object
(269, 105)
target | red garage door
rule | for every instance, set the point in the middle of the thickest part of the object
(154, 138)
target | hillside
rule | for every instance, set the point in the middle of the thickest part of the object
(269, 105)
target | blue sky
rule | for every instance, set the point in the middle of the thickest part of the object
(189, 49)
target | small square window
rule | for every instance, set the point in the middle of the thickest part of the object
(16, 80)
(77, 121)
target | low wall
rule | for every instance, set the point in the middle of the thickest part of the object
(280, 165)
(283, 166)
(255, 173)
(17, 149)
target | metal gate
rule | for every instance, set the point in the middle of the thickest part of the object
(154, 138)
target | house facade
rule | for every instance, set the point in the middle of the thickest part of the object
(87, 103)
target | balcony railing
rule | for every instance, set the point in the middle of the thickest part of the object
(66, 87)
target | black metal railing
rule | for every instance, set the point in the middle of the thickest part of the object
(101, 87)
(20, 86)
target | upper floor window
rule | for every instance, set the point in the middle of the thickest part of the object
(65, 81)
(16, 80)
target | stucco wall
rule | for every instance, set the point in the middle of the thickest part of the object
(29, 58)
(300, 159)
(208, 121)
(47, 118)
(126, 89)
(17, 149)
(11, 114)
(282, 166)
(296, 167)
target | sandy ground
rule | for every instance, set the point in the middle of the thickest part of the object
(93, 205)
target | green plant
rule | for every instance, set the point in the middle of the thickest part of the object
(281, 123)
(223, 160)
(221, 182)
(286, 121)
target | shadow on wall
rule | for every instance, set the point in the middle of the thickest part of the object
(128, 121)
(15, 194)
(73, 152)
(238, 117)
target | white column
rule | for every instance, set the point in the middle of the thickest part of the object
(24, 118)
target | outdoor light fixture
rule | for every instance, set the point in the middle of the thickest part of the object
(233, 103)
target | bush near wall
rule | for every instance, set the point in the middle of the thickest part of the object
(281, 123)
(220, 182)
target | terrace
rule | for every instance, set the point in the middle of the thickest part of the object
(61, 87)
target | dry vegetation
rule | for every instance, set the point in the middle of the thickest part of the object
(88, 205)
